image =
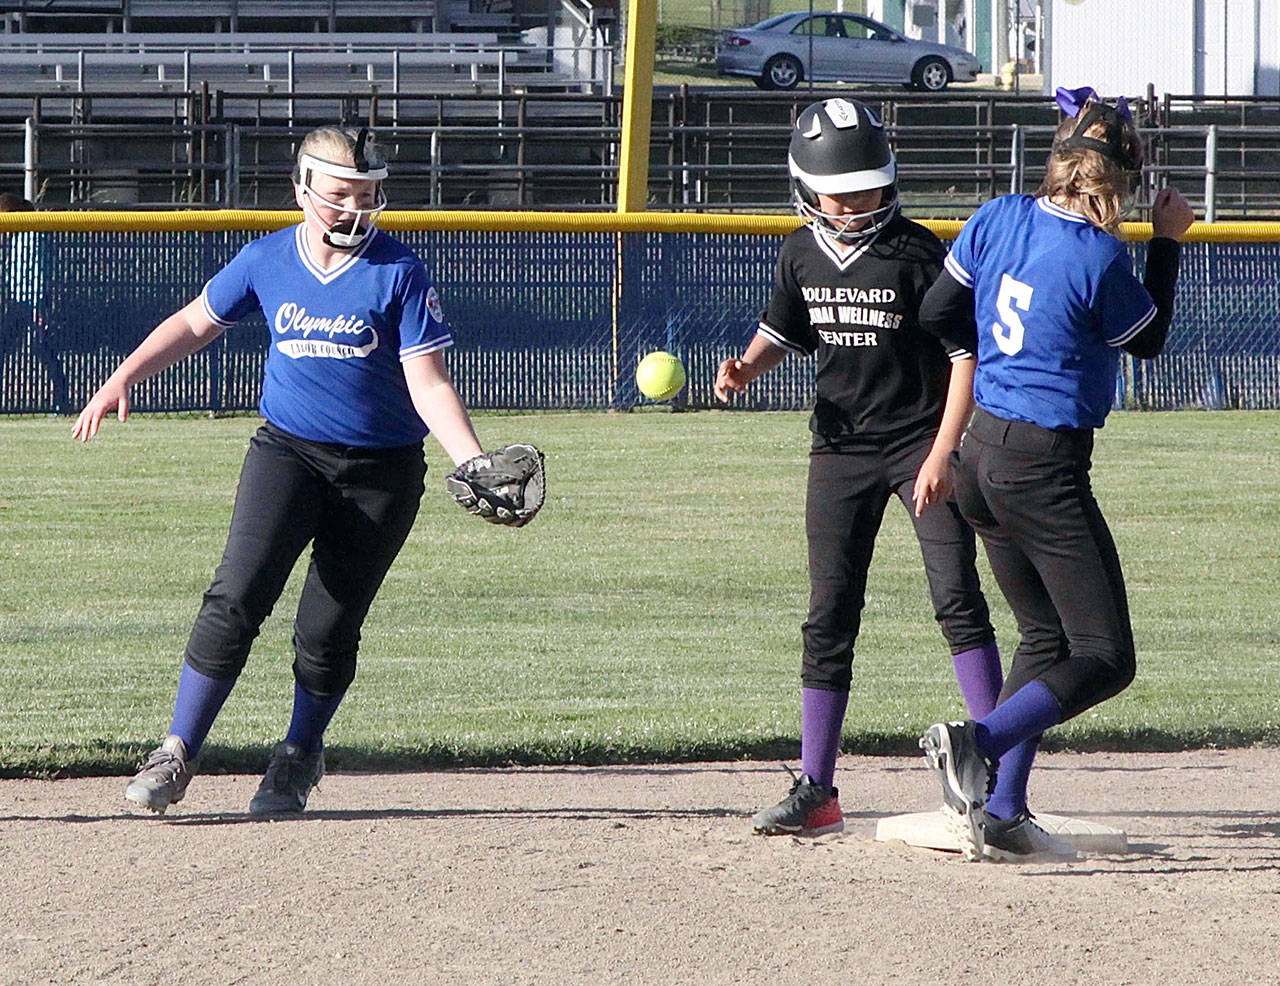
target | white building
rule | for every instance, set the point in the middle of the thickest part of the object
(1186, 47)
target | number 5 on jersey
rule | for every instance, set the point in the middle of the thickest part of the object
(1009, 332)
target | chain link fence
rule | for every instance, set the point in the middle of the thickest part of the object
(550, 320)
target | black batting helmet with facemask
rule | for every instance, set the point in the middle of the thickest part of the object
(839, 146)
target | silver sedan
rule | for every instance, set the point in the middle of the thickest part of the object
(830, 47)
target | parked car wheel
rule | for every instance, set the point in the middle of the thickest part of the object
(931, 74)
(782, 72)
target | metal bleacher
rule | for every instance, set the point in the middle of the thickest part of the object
(152, 102)
(156, 45)
(97, 112)
(162, 63)
(217, 15)
(150, 45)
(502, 17)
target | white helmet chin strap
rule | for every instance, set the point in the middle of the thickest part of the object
(352, 225)
(844, 226)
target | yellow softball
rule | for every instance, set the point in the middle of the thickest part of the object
(660, 376)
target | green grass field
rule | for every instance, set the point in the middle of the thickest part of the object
(651, 612)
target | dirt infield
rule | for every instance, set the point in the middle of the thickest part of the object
(639, 875)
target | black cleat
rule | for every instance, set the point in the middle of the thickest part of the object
(1020, 839)
(808, 810)
(290, 776)
(967, 776)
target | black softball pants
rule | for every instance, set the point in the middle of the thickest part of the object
(849, 487)
(1026, 491)
(354, 506)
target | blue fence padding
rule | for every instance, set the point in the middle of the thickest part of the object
(544, 321)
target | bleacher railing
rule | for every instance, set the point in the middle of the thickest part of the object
(567, 161)
(482, 63)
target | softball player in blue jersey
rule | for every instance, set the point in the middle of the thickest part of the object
(1049, 297)
(354, 379)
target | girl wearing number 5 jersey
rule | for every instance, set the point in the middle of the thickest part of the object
(1048, 295)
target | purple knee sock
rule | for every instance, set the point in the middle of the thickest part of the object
(311, 715)
(822, 716)
(1027, 713)
(198, 703)
(979, 674)
(1010, 795)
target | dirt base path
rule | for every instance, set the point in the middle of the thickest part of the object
(644, 875)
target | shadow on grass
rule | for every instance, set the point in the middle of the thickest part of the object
(104, 758)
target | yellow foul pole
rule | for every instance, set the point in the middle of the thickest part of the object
(637, 105)
(633, 153)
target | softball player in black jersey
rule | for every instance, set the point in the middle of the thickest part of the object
(847, 289)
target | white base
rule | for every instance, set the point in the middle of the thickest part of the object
(929, 830)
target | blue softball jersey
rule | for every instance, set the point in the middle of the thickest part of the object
(338, 336)
(1054, 298)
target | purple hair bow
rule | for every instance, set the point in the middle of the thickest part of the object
(1072, 101)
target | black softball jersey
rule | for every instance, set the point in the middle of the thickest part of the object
(878, 373)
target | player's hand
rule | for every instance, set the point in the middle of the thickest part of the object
(933, 482)
(1171, 216)
(110, 396)
(732, 378)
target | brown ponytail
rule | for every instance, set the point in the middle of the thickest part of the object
(1087, 182)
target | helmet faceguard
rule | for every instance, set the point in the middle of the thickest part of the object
(847, 227)
(839, 147)
(1107, 131)
(352, 226)
(1087, 107)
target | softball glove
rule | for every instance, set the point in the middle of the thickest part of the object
(507, 486)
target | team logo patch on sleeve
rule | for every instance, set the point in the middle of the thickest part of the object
(433, 305)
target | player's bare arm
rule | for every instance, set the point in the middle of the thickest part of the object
(933, 482)
(186, 331)
(734, 375)
(440, 407)
(506, 486)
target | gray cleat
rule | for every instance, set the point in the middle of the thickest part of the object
(163, 779)
(290, 776)
(1021, 840)
(967, 776)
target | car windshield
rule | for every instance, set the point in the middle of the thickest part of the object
(771, 22)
